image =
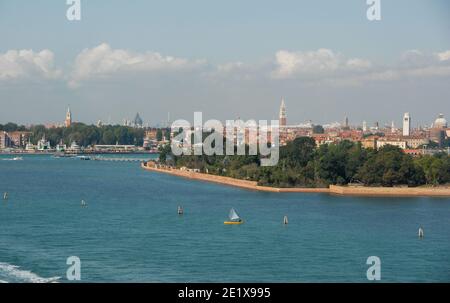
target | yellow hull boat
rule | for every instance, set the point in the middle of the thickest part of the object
(233, 222)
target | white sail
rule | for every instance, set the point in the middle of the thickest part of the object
(233, 215)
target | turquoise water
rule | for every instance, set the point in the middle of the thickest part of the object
(130, 230)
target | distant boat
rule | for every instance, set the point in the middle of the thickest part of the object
(84, 157)
(83, 203)
(14, 159)
(420, 232)
(5, 196)
(285, 220)
(180, 210)
(233, 218)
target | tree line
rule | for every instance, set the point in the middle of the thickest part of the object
(82, 134)
(302, 164)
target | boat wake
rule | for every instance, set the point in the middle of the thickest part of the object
(13, 274)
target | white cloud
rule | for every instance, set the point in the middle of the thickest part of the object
(358, 64)
(315, 64)
(103, 61)
(444, 56)
(19, 64)
(326, 66)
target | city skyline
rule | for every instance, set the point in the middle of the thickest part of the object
(326, 68)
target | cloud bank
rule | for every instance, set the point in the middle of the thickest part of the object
(26, 64)
(322, 66)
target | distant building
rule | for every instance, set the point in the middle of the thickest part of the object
(406, 125)
(68, 121)
(5, 140)
(19, 138)
(393, 127)
(74, 148)
(416, 141)
(138, 121)
(364, 127)
(399, 143)
(43, 144)
(440, 122)
(438, 131)
(346, 125)
(282, 115)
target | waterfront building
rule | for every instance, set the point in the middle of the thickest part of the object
(74, 148)
(115, 148)
(406, 125)
(43, 144)
(68, 121)
(19, 138)
(5, 140)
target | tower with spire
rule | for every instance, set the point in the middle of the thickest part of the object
(282, 116)
(68, 120)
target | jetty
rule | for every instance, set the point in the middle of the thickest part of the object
(119, 159)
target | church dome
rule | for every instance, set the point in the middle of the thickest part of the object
(440, 122)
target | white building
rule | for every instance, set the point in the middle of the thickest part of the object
(399, 143)
(406, 125)
(43, 144)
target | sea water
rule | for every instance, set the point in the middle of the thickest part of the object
(130, 231)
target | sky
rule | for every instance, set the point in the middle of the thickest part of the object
(227, 59)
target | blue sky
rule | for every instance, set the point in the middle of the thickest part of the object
(246, 36)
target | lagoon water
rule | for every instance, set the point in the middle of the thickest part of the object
(130, 230)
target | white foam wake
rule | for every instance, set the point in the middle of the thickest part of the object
(13, 273)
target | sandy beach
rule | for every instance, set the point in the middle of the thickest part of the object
(333, 189)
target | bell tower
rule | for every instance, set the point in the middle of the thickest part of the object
(68, 120)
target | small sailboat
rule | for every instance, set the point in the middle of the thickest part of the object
(420, 232)
(285, 220)
(180, 210)
(5, 196)
(233, 218)
(83, 203)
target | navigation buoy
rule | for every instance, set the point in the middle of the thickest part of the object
(285, 220)
(180, 210)
(5, 196)
(420, 232)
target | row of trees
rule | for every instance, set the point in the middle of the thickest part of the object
(302, 164)
(86, 135)
(83, 134)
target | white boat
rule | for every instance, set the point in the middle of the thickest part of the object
(14, 159)
(233, 218)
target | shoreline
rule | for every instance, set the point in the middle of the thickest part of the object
(333, 189)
